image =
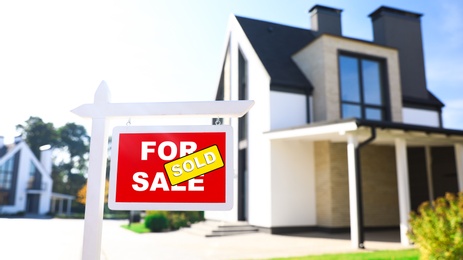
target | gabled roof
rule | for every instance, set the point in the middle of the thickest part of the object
(11, 149)
(275, 44)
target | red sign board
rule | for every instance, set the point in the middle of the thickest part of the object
(171, 168)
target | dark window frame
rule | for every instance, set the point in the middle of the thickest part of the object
(386, 107)
(243, 84)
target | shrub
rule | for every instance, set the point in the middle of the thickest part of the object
(157, 221)
(177, 220)
(194, 216)
(437, 228)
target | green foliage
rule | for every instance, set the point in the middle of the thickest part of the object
(74, 139)
(194, 216)
(178, 219)
(437, 228)
(72, 143)
(157, 221)
(38, 133)
(137, 228)
(378, 255)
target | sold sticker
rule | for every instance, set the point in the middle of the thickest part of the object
(194, 165)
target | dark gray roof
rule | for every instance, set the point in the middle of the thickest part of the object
(430, 101)
(275, 44)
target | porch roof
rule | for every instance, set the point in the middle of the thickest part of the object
(387, 132)
(55, 195)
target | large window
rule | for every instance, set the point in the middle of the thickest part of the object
(6, 181)
(362, 90)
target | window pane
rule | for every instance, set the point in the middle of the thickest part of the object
(374, 114)
(349, 110)
(350, 87)
(371, 82)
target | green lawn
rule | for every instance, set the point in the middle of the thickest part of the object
(411, 254)
(137, 228)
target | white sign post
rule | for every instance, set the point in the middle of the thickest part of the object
(100, 111)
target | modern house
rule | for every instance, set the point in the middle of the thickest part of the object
(25, 182)
(344, 134)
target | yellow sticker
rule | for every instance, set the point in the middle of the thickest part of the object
(194, 165)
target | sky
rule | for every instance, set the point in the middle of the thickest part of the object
(55, 53)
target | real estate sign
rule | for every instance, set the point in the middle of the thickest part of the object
(171, 168)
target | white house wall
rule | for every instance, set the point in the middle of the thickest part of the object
(423, 117)
(25, 158)
(293, 183)
(258, 198)
(287, 110)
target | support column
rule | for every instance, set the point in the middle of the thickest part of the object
(93, 224)
(459, 162)
(60, 210)
(403, 188)
(53, 205)
(352, 143)
(429, 172)
(68, 212)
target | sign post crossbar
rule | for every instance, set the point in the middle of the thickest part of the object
(100, 111)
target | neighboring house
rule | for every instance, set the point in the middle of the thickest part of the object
(25, 182)
(323, 102)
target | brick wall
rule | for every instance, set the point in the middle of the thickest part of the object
(379, 184)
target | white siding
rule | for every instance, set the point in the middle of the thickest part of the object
(423, 117)
(257, 200)
(287, 110)
(293, 184)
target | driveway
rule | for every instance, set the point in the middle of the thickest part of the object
(62, 239)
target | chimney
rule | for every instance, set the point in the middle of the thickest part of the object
(45, 157)
(325, 20)
(18, 139)
(3, 148)
(402, 30)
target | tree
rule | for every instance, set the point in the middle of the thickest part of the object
(71, 143)
(38, 133)
(82, 193)
(74, 139)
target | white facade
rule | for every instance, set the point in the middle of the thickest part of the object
(301, 156)
(27, 199)
(287, 110)
(293, 181)
(423, 117)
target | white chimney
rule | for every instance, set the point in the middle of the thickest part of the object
(45, 157)
(18, 139)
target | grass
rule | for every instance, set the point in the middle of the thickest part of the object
(137, 228)
(411, 254)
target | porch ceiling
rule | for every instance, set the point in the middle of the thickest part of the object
(386, 133)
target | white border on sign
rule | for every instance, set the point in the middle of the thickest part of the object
(227, 205)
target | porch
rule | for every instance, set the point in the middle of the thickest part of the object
(384, 167)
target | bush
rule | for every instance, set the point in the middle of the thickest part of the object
(437, 228)
(194, 216)
(157, 221)
(176, 219)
